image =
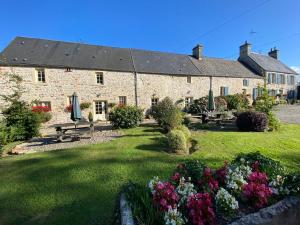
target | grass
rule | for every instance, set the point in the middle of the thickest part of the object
(81, 186)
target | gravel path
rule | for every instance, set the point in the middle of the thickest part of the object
(49, 143)
(288, 113)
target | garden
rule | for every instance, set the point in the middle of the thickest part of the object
(176, 171)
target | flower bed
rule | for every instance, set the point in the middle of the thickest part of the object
(197, 194)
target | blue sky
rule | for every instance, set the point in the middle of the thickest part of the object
(163, 25)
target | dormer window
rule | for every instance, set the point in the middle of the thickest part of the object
(99, 78)
(68, 69)
(41, 75)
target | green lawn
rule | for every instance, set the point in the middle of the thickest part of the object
(81, 186)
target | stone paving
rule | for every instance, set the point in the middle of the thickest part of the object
(288, 113)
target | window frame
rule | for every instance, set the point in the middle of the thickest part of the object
(246, 82)
(43, 103)
(154, 101)
(99, 78)
(188, 101)
(122, 100)
(40, 75)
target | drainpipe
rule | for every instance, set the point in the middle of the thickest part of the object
(135, 80)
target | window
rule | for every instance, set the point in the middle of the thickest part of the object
(43, 103)
(292, 80)
(281, 92)
(244, 91)
(41, 75)
(245, 82)
(224, 91)
(122, 100)
(273, 78)
(282, 78)
(188, 101)
(154, 101)
(100, 107)
(99, 78)
(189, 79)
(269, 78)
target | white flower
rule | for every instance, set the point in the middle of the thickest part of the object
(226, 203)
(173, 217)
(184, 189)
(276, 186)
(237, 177)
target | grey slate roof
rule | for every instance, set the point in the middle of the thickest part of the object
(270, 64)
(46, 53)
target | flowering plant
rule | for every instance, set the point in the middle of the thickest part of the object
(226, 203)
(165, 196)
(237, 177)
(257, 190)
(40, 109)
(174, 217)
(207, 182)
(69, 108)
(200, 209)
(184, 189)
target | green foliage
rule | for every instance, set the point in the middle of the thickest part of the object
(187, 121)
(90, 117)
(85, 105)
(177, 141)
(21, 123)
(252, 121)
(44, 117)
(198, 106)
(126, 116)
(185, 131)
(14, 82)
(193, 169)
(292, 183)
(237, 102)
(221, 104)
(265, 104)
(271, 167)
(142, 206)
(167, 115)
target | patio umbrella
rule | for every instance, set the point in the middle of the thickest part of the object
(75, 112)
(211, 101)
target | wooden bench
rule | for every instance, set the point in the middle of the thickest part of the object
(62, 129)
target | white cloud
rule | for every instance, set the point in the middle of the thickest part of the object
(296, 68)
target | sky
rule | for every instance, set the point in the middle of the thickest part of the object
(221, 26)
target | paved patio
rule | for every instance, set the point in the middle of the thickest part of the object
(288, 113)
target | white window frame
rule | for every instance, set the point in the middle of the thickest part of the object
(154, 101)
(189, 79)
(122, 100)
(40, 75)
(99, 78)
(188, 101)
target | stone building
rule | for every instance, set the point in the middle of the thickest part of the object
(104, 76)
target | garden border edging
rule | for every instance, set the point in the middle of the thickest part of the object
(125, 210)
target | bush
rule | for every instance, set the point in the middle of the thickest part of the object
(167, 115)
(252, 121)
(191, 168)
(185, 131)
(198, 106)
(85, 105)
(177, 141)
(90, 117)
(237, 101)
(187, 121)
(221, 104)
(21, 123)
(126, 116)
(267, 165)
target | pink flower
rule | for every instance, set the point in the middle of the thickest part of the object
(165, 196)
(176, 177)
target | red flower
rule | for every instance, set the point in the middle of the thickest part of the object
(40, 109)
(176, 177)
(257, 190)
(221, 174)
(165, 196)
(200, 209)
(207, 182)
(69, 108)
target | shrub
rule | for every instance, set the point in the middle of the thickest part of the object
(187, 121)
(237, 101)
(267, 165)
(85, 105)
(191, 168)
(274, 123)
(177, 141)
(198, 106)
(43, 113)
(221, 104)
(90, 117)
(21, 122)
(167, 115)
(126, 116)
(226, 203)
(252, 121)
(185, 131)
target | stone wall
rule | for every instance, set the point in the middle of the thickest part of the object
(60, 85)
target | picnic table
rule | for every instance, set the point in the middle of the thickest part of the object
(62, 129)
(212, 116)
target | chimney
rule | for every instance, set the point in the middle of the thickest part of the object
(197, 52)
(245, 49)
(274, 53)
